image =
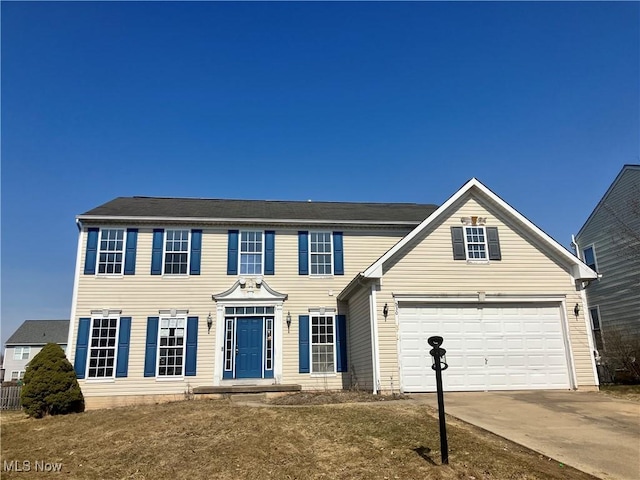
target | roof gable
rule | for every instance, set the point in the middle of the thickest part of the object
(626, 169)
(40, 332)
(154, 208)
(578, 268)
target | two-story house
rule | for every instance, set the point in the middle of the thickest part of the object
(173, 294)
(27, 341)
(609, 243)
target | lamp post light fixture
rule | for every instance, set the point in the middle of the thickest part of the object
(439, 363)
(288, 322)
(209, 323)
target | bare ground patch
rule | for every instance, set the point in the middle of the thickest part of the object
(217, 439)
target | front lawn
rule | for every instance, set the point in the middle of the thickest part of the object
(211, 439)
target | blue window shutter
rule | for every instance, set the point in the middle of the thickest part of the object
(151, 347)
(156, 252)
(192, 346)
(232, 253)
(303, 343)
(82, 345)
(130, 255)
(457, 239)
(303, 253)
(269, 252)
(338, 257)
(92, 251)
(493, 242)
(341, 343)
(196, 251)
(124, 336)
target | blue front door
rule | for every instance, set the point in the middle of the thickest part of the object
(249, 348)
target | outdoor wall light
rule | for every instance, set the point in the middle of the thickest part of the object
(385, 311)
(576, 310)
(288, 322)
(209, 323)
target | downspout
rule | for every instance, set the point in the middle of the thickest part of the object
(587, 320)
(74, 298)
(374, 340)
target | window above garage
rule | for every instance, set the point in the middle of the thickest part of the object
(475, 243)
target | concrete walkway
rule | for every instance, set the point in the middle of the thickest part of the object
(587, 430)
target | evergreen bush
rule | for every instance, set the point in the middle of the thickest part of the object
(50, 385)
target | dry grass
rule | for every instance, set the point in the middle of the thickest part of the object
(627, 392)
(333, 397)
(217, 439)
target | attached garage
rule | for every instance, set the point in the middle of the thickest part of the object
(490, 346)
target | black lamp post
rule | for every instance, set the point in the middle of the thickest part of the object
(439, 364)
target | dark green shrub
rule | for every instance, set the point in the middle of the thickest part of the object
(50, 385)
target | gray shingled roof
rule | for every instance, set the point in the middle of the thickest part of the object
(40, 332)
(261, 209)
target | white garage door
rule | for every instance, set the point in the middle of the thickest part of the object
(497, 347)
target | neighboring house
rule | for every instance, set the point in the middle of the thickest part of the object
(28, 340)
(609, 242)
(174, 294)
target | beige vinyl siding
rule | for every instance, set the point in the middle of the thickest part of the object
(427, 267)
(612, 230)
(142, 295)
(359, 335)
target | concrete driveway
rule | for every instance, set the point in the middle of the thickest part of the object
(590, 431)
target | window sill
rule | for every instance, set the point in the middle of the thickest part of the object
(109, 275)
(175, 275)
(323, 375)
(321, 276)
(478, 262)
(100, 380)
(169, 379)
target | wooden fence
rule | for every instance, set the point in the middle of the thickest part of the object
(10, 398)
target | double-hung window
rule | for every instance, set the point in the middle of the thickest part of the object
(21, 353)
(476, 243)
(176, 252)
(103, 347)
(171, 346)
(320, 253)
(17, 375)
(251, 253)
(322, 344)
(111, 251)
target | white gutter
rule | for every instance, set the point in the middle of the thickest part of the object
(374, 339)
(74, 298)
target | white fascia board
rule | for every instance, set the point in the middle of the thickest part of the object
(578, 269)
(301, 221)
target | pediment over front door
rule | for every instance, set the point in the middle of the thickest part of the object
(250, 288)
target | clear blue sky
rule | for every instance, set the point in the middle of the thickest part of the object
(389, 102)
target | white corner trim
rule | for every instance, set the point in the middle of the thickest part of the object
(375, 350)
(592, 347)
(74, 301)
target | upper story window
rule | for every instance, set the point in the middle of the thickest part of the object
(251, 253)
(111, 251)
(102, 347)
(476, 242)
(589, 257)
(21, 353)
(176, 252)
(320, 253)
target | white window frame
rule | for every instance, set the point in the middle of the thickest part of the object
(22, 351)
(115, 347)
(184, 347)
(330, 253)
(19, 376)
(240, 252)
(164, 251)
(593, 252)
(597, 309)
(485, 259)
(123, 252)
(313, 315)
